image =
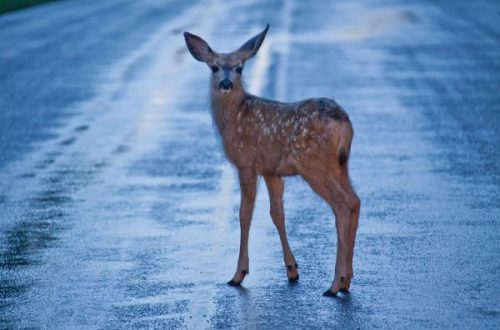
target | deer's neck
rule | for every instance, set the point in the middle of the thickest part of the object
(225, 107)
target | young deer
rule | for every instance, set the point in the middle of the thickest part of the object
(310, 138)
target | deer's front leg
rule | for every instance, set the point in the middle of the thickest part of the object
(248, 186)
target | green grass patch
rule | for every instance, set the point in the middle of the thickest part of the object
(11, 5)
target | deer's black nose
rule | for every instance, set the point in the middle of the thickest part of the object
(226, 84)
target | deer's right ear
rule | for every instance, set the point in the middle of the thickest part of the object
(198, 47)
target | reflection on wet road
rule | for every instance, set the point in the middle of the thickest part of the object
(119, 210)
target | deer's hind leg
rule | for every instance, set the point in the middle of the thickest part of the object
(355, 205)
(330, 185)
(275, 186)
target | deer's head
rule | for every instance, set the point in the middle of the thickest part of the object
(226, 67)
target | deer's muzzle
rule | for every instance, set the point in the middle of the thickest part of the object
(226, 85)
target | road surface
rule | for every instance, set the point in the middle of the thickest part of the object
(118, 209)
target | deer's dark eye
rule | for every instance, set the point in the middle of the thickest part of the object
(214, 68)
(239, 70)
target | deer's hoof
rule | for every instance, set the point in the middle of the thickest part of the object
(292, 272)
(329, 293)
(238, 283)
(234, 283)
(293, 279)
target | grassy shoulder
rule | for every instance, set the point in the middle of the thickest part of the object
(11, 5)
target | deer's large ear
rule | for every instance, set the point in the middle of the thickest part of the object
(250, 48)
(198, 47)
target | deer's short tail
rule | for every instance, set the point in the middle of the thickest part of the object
(344, 145)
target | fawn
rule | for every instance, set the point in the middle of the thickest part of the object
(311, 138)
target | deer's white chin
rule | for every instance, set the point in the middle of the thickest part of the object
(225, 91)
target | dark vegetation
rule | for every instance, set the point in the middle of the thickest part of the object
(11, 5)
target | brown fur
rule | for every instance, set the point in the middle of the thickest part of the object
(311, 138)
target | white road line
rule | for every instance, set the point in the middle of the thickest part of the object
(284, 51)
(100, 108)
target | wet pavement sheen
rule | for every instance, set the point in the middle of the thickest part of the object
(118, 209)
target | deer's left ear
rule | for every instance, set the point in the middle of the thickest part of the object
(250, 48)
(198, 47)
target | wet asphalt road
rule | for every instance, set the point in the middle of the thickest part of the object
(118, 209)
